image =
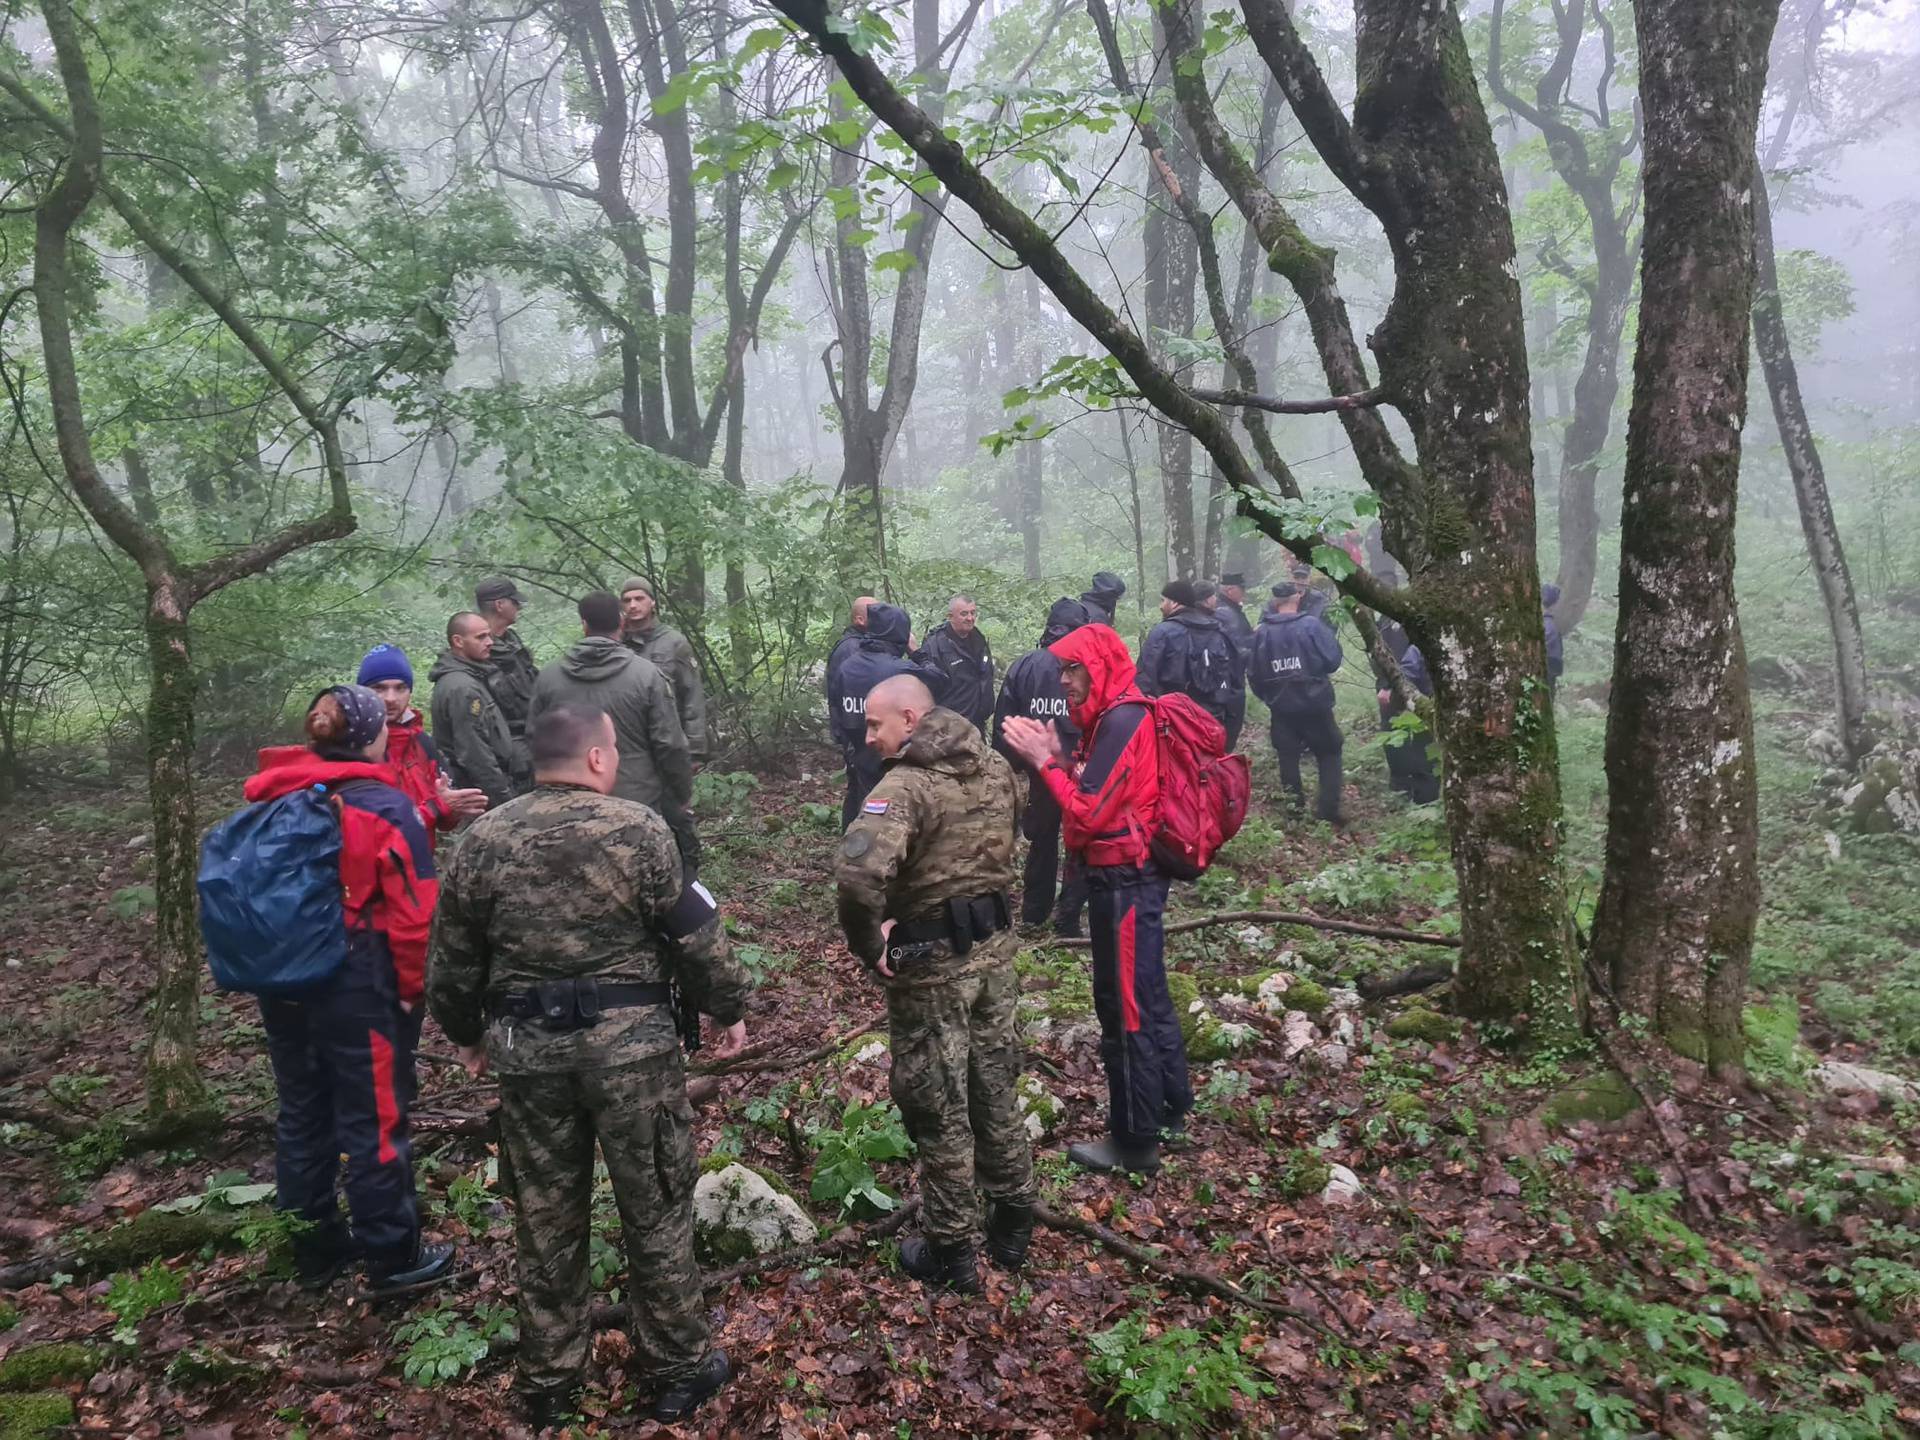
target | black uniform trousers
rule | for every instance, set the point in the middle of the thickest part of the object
(863, 773)
(1297, 731)
(1148, 1086)
(1042, 879)
(343, 1064)
(1410, 763)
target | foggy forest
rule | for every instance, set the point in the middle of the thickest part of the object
(1552, 1014)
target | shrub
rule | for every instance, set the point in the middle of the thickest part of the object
(1179, 1379)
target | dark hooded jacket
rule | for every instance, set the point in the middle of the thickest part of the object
(476, 744)
(1236, 627)
(1033, 688)
(1556, 648)
(967, 663)
(1189, 654)
(879, 654)
(1109, 797)
(656, 766)
(1102, 600)
(1294, 658)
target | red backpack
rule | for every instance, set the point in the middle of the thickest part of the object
(1203, 790)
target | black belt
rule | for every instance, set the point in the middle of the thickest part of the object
(960, 922)
(575, 1004)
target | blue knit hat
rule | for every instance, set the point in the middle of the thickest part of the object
(385, 662)
(366, 713)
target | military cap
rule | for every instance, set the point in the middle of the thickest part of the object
(495, 587)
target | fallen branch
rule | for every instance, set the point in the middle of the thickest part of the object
(1204, 1282)
(750, 1060)
(1405, 982)
(1290, 917)
(44, 1118)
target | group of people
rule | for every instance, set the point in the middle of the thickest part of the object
(558, 944)
(565, 933)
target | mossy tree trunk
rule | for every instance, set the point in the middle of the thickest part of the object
(1419, 153)
(1681, 892)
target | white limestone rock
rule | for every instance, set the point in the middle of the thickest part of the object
(1343, 1187)
(737, 1213)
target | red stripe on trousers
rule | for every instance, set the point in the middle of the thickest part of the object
(1129, 1003)
(385, 1103)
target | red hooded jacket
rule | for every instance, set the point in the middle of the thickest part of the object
(412, 756)
(1110, 799)
(386, 862)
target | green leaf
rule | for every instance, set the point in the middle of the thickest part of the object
(782, 175)
(1334, 561)
(900, 260)
(770, 37)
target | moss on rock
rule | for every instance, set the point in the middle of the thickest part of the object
(1603, 1096)
(1310, 997)
(1421, 1024)
(1304, 1175)
(27, 1417)
(159, 1234)
(38, 1366)
(1407, 1109)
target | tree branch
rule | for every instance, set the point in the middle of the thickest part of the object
(1291, 917)
(1330, 405)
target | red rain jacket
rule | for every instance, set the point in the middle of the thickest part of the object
(413, 756)
(1110, 798)
(386, 861)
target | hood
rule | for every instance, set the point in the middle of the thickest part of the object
(1284, 617)
(286, 768)
(1110, 666)
(1106, 590)
(1549, 596)
(1063, 619)
(1195, 619)
(596, 658)
(945, 740)
(889, 625)
(452, 664)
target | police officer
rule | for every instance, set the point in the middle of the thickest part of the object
(844, 647)
(958, 649)
(563, 923)
(469, 726)
(1232, 596)
(923, 875)
(667, 648)
(513, 669)
(1032, 689)
(1410, 761)
(1188, 653)
(1295, 656)
(1102, 598)
(879, 653)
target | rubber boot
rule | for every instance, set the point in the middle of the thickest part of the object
(1110, 1154)
(944, 1266)
(1009, 1232)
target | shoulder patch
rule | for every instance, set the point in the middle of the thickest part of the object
(473, 706)
(856, 844)
(875, 807)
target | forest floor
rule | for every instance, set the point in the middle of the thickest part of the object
(1526, 1254)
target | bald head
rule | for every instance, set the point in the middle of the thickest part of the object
(860, 611)
(895, 708)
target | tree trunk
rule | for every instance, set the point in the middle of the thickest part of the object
(1809, 480)
(174, 1087)
(1172, 266)
(1680, 893)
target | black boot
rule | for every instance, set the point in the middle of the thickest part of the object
(1111, 1154)
(430, 1265)
(945, 1266)
(1009, 1232)
(692, 1390)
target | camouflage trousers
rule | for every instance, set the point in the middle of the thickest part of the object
(640, 1117)
(956, 1061)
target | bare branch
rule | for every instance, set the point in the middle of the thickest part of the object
(1332, 404)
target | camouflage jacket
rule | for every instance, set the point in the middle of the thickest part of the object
(511, 678)
(561, 884)
(668, 648)
(940, 824)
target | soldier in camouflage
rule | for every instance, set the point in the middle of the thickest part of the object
(511, 678)
(923, 875)
(563, 919)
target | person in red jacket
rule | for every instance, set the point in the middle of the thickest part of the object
(343, 1054)
(410, 750)
(1109, 798)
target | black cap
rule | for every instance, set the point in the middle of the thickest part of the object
(495, 587)
(1181, 592)
(1285, 590)
(1234, 577)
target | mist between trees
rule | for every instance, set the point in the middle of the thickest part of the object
(315, 314)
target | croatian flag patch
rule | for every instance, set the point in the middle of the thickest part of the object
(875, 807)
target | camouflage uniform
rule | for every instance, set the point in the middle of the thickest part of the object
(669, 649)
(511, 680)
(940, 825)
(561, 884)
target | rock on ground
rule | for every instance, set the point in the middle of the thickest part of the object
(1343, 1187)
(1837, 1076)
(737, 1213)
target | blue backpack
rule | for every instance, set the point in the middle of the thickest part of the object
(270, 906)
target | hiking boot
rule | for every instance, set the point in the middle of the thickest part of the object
(941, 1265)
(1173, 1135)
(431, 1264)
(315, 1270)
(692, 1390)
(548, 1409)
(1110, 1154)
(1009, 1232)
